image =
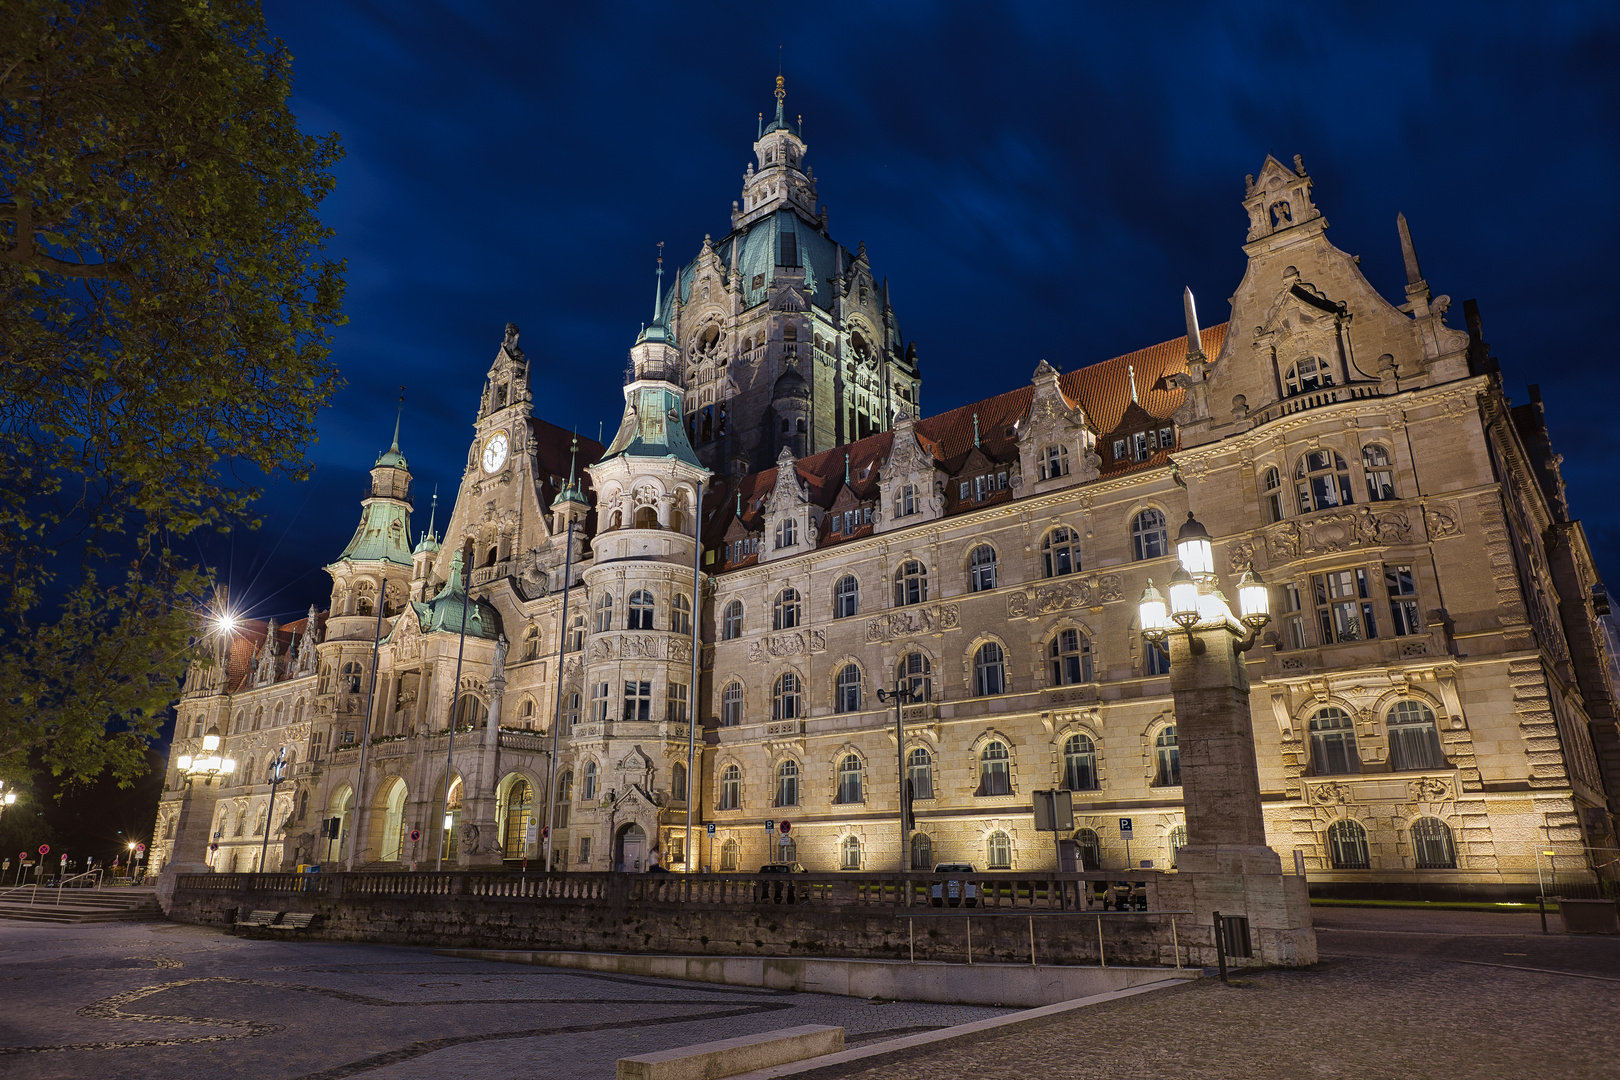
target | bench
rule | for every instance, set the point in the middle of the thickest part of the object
(260, 918)
(279, 920)
(292, 920)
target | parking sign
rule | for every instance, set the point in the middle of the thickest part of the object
(710, 827)
(1125, 825)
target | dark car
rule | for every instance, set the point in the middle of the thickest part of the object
(782, 868)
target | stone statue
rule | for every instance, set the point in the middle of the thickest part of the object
(501, 645)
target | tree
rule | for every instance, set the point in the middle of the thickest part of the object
(165, 316)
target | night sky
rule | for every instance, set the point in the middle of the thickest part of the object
(1036, 182)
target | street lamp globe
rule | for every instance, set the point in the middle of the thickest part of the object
(1194, 550)
(1254, 599)
(1151, 612)
(211, 740)
(1183, 598)
(11, 797)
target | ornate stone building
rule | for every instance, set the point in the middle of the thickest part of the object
(1433, 701)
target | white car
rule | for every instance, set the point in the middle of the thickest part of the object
(955, 891)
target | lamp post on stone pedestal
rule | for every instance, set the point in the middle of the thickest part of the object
(1226, 865)
(191, 835)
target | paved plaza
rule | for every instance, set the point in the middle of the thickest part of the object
(1399, 994)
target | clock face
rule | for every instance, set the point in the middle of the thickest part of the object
(495, 452)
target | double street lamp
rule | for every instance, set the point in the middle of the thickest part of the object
(903, 694)
(209, 763)
(1196, 601)
(278, 771)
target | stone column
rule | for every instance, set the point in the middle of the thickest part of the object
(1226, 865)
(192, 832)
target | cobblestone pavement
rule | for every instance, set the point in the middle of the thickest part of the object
(135, 1000)
(1400, 995)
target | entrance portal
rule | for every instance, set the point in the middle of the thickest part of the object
(632, 853)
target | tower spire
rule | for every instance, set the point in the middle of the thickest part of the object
(1414, 276)
(658, 287)
(1189, 310)
(397, 417)
(433, 514)
(781, 90)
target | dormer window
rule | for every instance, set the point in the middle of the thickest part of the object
(907, 500)
(787, 534)
(1167, 438)
(1311, 373)
(1054, 462)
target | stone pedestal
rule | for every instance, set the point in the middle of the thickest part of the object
(1226, 865)
(192, 831)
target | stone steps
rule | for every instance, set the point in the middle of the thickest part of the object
(82, 906)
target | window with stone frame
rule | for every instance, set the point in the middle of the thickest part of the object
(910, 583)
(1292, 618)
(787, 533)
(785, 611)
(1079, 764)
(787, 783)
(731, 622)
(995, 769)
(676, 704)
(1069, 657)
(1414, 737)
(1347, 846)
(641, 610)
(982, 568)
(1088, 849)
(847, 689)
(922, 852)
(1322, 481)
(1175, 842)
(1155, 658)
(588, 789)
(1053, 462)
(989, 670)
(998, 851)
(1060, 552)
(849, 854)
(599, 702)
(1149, 538)
(731, 705)
(915, 673)
(531, 644)
(1401, 585)
(571, 703)
(731, 790)
(1379, 467)
(730, 853)
(905, 501)
(604, 613)
(637, 700)
(1311, 373)
(1344, 609)
(565, 798)
(846, 597)
(1432, 846)
(1166, 758)
(1333, 743)
(351, 683)
(849, 780)
(1271, 492)
(576, 633)
(786, 701)
(920, 773)
(680, 614)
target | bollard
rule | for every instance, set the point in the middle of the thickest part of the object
(1220, 945)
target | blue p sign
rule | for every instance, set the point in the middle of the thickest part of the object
(710, 827)
(1125, 825)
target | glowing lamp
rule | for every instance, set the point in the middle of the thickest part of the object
(184, 761)
(1194, 550)
(1183, 598)
(1254, 599)
(1154, 616)
(211, 740)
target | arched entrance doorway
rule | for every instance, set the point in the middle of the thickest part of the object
(519, 805)
(393, 833)
(630, 855)
(450, 838)
(335, 825)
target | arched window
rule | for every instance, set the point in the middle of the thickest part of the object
(1167, 754)
(519, 805)
(982, 568)
(787, 783)
(731, 791)
(565, 798)
(785, 700)
(850, 854)
(910, 583)
(680, 618)
(787, 533)
(604, 613)
(1271, 491)
(1431, 845)
(729, 851)
(846, 597)
(989, 670)
(922, 852)
(905, 501)
(1347, 845)
(531, 644)
(1333, 743)
(1310, 373)
(526, 713)
(731, 621)
(920, 773)
(1380, 470)
(677, 782)
(280, 714)
(785, 612)
(731, 705)
(1178, 840)
(646, 518)
(1060, 552)
(1088, 849)
(849, 779)
(847, 692)
(641, 610)
(1148, 537)
(258, 718)
(571, 704)
(995, 769)
(1414, 740)
(1323, 480)
(998, 852)
(918, 675)
(588, 792)
(470, 712)
(1053, 462)
(351, 678)
(1070, 656)
(576, 632)
(1079, 764)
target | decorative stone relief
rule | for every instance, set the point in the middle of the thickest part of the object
(1441, 521)
(1428, 789)
(602, 648)
(913, 620)
(1330, 793)
(789, 644)
(1110, 588)
(640, 648)
(680, 649)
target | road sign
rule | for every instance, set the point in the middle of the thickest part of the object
(532, 833)
(710, 827)
(1125, 825)
(140, 847)
(416, 834)
(770, 826)
(22, 854)
(545, 832)
(44, 849)
(785, 826)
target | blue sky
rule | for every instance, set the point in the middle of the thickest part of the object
(1037, 181)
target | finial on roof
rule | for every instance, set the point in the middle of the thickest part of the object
(739, 503)
(1414, 275)
(1130, 369)
(397, 416)
(658, 287)
(1189, 309)
(846, 469)
(975, 429)
(573, 454)
(433, 512)
(781, 94)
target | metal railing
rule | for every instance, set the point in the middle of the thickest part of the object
(65, 883)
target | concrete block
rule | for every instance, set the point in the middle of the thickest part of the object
(728, 1057)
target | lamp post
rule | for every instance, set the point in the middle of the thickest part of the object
(278, 770)
(190, 854)
(7, 798)
(904, 693)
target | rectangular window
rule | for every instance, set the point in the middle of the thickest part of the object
(599, 703)
(584, 849)
(1401, 585)
(637, 700)
(1343, 610)
(978, 488)
(676, 703)
(1167, 438)
(1119, 449)
(1293, 620)
(1142, 450)
(964, 493)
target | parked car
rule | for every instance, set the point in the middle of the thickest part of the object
(782, 868)
(955, 891)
